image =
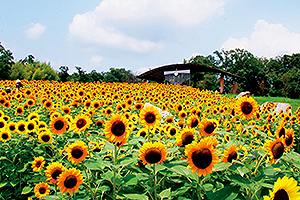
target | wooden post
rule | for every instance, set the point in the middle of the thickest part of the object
(222, 84)
(235, 87)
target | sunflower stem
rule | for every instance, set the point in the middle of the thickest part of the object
(199, 189)
(115, 172)
(258, 164)
(155, 181)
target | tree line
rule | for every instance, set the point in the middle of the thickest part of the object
(279, 76)
(31, 69)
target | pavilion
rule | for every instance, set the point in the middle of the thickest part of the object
(158, 74)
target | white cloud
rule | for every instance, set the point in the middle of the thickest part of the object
(35, 30)
(96, 60)
(130, 23)
(268, 40)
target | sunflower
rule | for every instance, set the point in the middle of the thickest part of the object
(185, 137)
(11, 126)
(201, 157)
(230, 154)
(45, 136)
(81, 123)
(99, 123)
(41, 190)
(5, 135)
(21, 127)
(245, 107)
(117, 129)
(48, 104)
(169, 119)
(38, 163)
(280, 130)
(284, 189)
(58, 125)
(139, 106)
(172, 130)
(182, 114)
(109, 110)
(142, 132)
(77, 152)
(193, 121)
(208, 126)
(31, 126)
(151, 153)
(275, 149)
(53, 171)
(150, 116)
(33, 116)
(289, 138)
(69, 181)
(66, 110)
(19, 110)
(2, 123)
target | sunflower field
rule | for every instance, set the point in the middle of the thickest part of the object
(70, 140)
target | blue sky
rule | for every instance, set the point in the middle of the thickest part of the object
(138, 34)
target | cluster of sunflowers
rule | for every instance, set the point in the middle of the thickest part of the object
(139, 141)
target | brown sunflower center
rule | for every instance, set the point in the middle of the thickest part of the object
(81, 123)
(1, 124)
(138, 107)
(30, 127)
(150, 117)
(76, 152)
(30, 103)
(281, 195)
(153, 156)
(246, 107)
(187, 138)
(209, 128)
(70, 182)
(170, 120)
(289, 140)
(99, 123)
(42, 190)
(38, 164)
(202, 158)
(118, 128)
(58, 125)
(194, 123)
(172, 131)
(21, 127)
(12, 127)
(282, 132)
(4, 136)
(48, 104)
(45, 138)
(143, 133)
(55, 173)
(232, 156)
(277, 150)
(19, 110)
(183, 115)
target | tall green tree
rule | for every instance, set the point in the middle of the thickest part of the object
(243, 63)
(32, 70)
(6, 62)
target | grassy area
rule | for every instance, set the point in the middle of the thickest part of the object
(295, 103)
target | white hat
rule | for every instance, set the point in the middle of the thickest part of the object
(18, 81)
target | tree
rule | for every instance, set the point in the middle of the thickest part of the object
(63, 74)
(243, 63)
(32, 70)
(6, 62)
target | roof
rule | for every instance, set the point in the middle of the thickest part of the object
(157, 74)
